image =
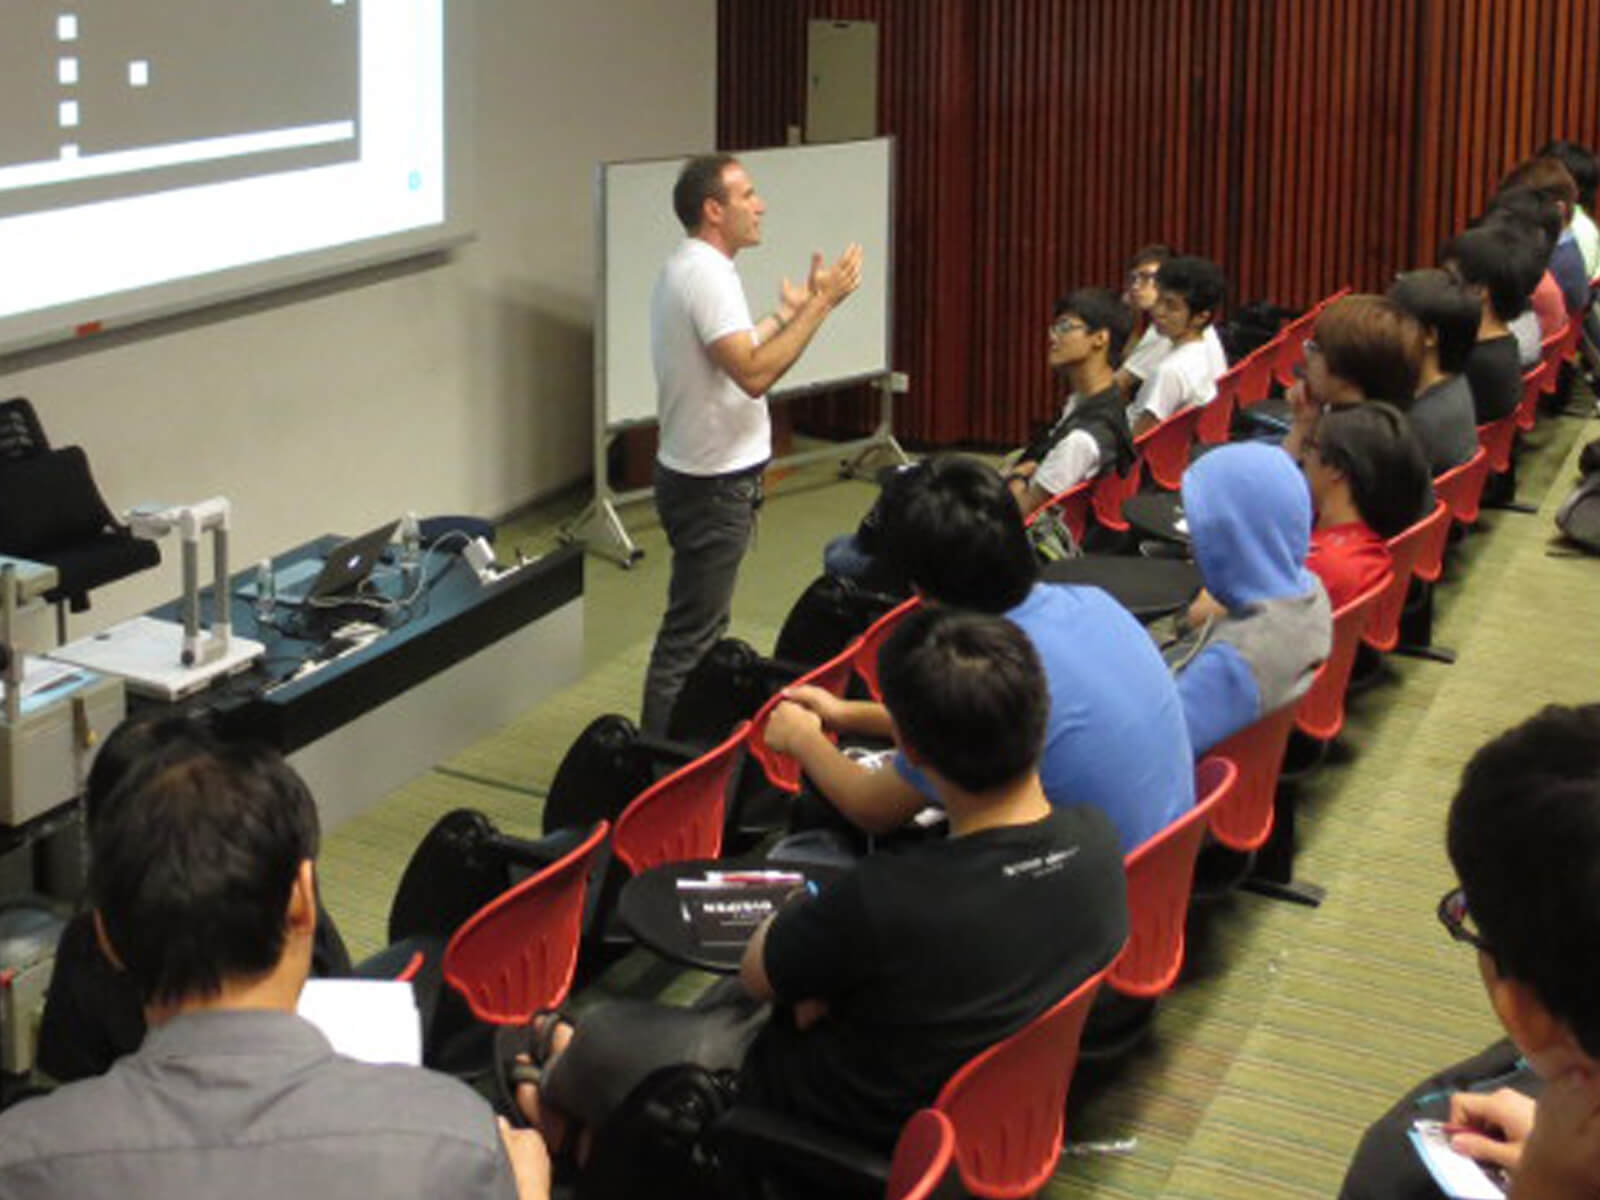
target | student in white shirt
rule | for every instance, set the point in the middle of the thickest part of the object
(1189, 293)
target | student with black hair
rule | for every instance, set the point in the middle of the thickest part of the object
(1189, 294)
(853, 1006)
(1116, 736)
(205, 896)
(1369, 481)
(1523, 837)
(1549, 178)
(1493, 262)
(1536, 215)
(1441, 415)
(1152, 345)
(1584, 168)
(1087, 336)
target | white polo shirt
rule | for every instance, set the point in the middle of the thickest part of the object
(708, 425)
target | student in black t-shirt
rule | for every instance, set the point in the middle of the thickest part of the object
(1494, 261)
(1091, 436)
(903, 969)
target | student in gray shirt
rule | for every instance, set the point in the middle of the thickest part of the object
(203, 889)
(1442, 414)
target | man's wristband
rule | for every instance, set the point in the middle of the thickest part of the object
(778, 317)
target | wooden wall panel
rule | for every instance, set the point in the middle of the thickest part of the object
(1303, 144)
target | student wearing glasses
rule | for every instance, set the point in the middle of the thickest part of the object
(1090, 328)
(1523, 837)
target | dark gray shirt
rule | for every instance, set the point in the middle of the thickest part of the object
(1442, 418)
(252, 1106)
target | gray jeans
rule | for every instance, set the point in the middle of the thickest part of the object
(709, 521)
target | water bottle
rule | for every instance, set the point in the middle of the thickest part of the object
(266, 592)
(410, 550)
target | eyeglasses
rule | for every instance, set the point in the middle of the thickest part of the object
(1135, 278)
(1454, 916)
(1066, 325)
(1311, 347)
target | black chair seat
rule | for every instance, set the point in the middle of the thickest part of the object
(101, 560)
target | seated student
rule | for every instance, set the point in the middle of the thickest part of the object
(1539, 217)
(1441, 415)
(1549, 177)
(1086, 339)
(1149, 347)
(880, 988)
(1368, 482)
(1116, 735)
(1362, 347)
(1584, 168)
(1189, 294)
(1523, 838)
(1262, 626)
(1492, 262)
(204, 893)
(93, 1013)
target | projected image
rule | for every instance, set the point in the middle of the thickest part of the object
(108, 98)
(155, 154)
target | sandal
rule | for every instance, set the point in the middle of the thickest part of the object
(514, 1042)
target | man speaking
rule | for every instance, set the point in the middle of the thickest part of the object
(713, 368)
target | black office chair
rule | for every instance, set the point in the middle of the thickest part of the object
(52, 512)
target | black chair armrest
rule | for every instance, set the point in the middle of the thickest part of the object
(666, 750)
(752, 1141)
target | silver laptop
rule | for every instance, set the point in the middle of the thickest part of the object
(345, 569)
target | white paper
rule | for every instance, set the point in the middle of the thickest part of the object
(373, 1020)
(1457, 1175)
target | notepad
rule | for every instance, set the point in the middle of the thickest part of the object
(372, 1020)
(1458, 1176)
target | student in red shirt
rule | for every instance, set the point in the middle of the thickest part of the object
(1368, 480)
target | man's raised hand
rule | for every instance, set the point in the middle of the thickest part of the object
(834, 284)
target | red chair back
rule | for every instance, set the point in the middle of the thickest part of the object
(782, 770)
(1533, 386)
(681, 816)
(1496, 439)
(1406, 550)
(1111, 491)
(866, 659)
(1256, 379)
(1242, 820)
(1160, 880)
(922, 1155)
(1462, 487)
(1072, 506)
(1292, 338)
(516, 955)
(1216, 418)
(1008, 1104)
(1320, 713)
(1165, 449)
(1434, 540)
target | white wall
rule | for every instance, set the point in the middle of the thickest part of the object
(462, 388)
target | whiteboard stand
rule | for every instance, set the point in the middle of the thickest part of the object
(599, 528)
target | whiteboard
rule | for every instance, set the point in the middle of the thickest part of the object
(818, 198)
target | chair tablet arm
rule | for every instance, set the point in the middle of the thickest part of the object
(536, 853)
(753, 1140)
(666, 750)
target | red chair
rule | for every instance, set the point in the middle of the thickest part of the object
(1255, 381)
(1320, 713)
(1165, 448)
(1008, 1105)
(1160, 879)
(681, 816)
(1111, 492)
(922, 1156)
(1242, 820)
(782, 770)
(1433, 541)
(866, 659)
(1216, 418)
(1406, 551)
(1535, 383)
(1496, 438)
(1072, 506)
(1462, 487)
(515, 956)
(1292, 338)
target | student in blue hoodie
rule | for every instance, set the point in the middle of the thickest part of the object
(1263, 624)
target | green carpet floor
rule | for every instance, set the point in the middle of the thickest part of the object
(1293, 1027)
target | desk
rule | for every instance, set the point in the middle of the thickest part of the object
(650, 908)
(362, 724)
(1156, 514)
(1149, 588)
